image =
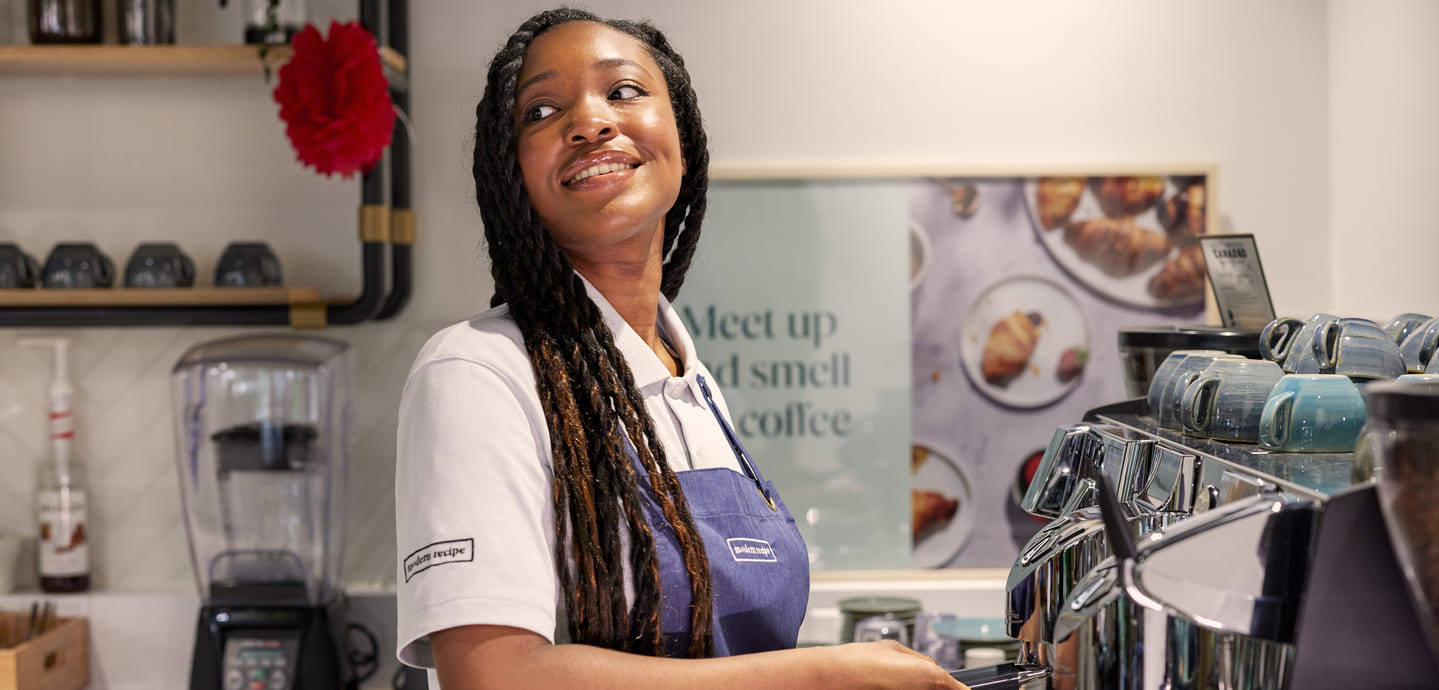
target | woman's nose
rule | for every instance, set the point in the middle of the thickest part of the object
(591, 122)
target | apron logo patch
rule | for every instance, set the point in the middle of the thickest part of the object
(439, 553)
(751, 550)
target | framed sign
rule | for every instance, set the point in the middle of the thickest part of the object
(896, 351)
(1237, 276)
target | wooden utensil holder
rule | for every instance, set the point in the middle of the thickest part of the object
(58, 659)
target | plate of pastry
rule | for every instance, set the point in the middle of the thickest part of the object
(941, 507)
(1131, 239)
(1024, 342)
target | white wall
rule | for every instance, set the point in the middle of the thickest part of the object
(966, 85)
(1384, 155)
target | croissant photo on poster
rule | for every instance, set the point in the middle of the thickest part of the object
(1023, 284)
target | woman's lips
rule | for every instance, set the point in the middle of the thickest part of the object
(600, 169)
(598, 164)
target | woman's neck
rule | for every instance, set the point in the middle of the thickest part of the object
(632, 287)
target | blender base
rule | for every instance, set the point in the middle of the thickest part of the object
(267, 648)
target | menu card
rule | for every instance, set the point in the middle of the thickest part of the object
(1240, 291)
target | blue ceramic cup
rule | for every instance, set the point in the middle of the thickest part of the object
(1402, 325)
(1312, 413)
(1166, 413)
(1422, 378)
(1418, 347)
(1357, 348)
(1165, 374)
(1227, 399)
(1286, 339)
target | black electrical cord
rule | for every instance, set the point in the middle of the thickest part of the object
(363, 657)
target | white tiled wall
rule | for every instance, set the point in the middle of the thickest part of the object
(124, 432)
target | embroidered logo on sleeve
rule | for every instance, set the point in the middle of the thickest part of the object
(439, 553)
(751, 550)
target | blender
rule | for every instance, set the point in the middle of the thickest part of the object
(262, 428)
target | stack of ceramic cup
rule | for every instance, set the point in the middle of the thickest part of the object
(1304, 395)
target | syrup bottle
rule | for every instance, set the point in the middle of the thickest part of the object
(61, 502)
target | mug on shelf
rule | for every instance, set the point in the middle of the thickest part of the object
(17, 269)
(1312, 413)
(77, 265)
(159, 265)
(248, 264)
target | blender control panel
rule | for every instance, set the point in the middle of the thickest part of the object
(259, 663)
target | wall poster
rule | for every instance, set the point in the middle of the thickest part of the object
(1020, 287)
(896, 351)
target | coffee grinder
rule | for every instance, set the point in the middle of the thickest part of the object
(262, 428)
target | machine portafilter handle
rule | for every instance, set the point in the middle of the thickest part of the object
(1121, 542)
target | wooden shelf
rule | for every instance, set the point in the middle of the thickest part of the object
(157, 297)
(117, 60)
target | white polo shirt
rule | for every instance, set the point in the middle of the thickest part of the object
(474, 514)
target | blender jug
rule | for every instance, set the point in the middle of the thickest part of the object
(262, 430)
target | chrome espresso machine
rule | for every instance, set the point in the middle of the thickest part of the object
(262, 428)
(1176, 562)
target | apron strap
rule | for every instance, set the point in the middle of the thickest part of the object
(739, 452)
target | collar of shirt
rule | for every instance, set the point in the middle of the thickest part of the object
(644, 363)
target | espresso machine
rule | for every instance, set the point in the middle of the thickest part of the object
(1179, 562)
(262, 425)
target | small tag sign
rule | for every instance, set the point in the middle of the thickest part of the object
(751, 550)
(439, 553)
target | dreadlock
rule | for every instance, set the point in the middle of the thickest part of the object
(592, 407)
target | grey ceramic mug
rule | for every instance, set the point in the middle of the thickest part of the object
(1418, 347)
(77, 265)
(1402, 325)
(1357, 348)
(159, 265)
(1281, 340)
(1165, 373)
(17, 269)
(1166, 413)
(248, 264)
(1227, 400)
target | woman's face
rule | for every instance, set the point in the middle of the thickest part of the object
(598, 146)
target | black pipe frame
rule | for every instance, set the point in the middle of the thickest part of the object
(372, 301)
(402, 224)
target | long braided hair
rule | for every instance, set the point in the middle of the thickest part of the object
(591, 404)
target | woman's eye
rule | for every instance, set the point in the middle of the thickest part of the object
(538, 112)
(625, 92)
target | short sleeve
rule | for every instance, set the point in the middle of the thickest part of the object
(473, 514)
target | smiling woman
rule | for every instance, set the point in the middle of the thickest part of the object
(597, 142)
(571, 438)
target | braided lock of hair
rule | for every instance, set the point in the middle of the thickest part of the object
(594, 413)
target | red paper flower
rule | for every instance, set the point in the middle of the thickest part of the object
(335, 100)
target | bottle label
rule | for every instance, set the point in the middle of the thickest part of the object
(64, 542)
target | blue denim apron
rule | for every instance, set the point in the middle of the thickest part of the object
(759, 566)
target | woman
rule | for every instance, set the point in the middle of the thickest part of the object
(566, 473)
